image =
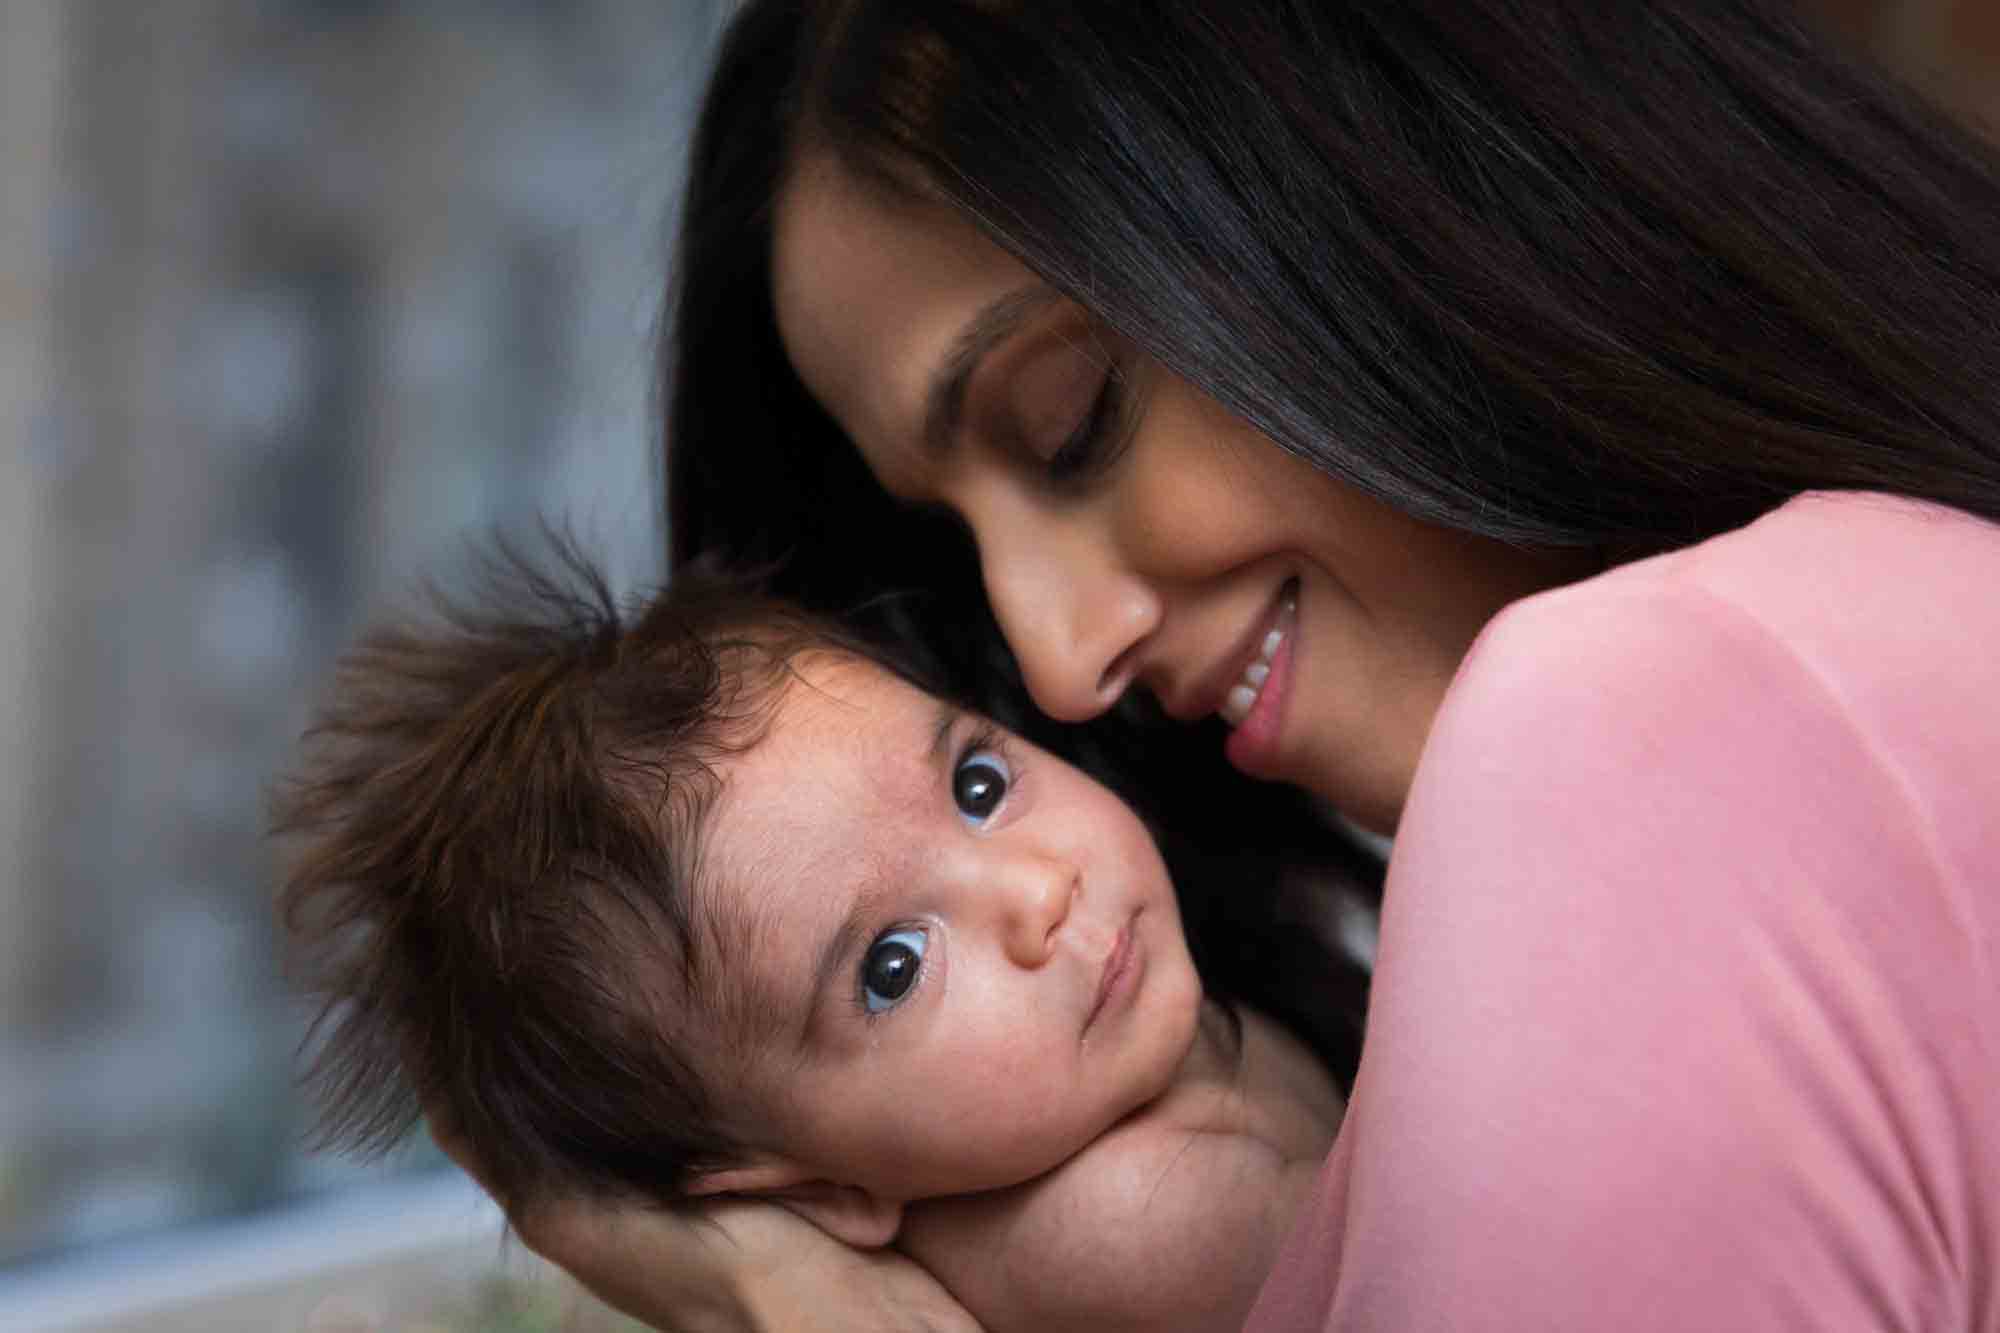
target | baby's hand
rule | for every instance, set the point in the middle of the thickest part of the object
(728, 1266)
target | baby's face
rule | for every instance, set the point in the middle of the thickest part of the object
(972, 951)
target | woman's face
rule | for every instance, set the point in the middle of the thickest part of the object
(1130, 530)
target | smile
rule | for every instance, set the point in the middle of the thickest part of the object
(1242, 696)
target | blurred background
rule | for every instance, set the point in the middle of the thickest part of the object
(296, 298)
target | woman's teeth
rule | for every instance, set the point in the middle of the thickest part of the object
(1242, 697)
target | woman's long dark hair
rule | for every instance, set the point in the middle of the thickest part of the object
(1578, 272)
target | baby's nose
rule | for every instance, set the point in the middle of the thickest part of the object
(1039, 893)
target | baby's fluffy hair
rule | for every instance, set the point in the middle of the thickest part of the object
(492, 839)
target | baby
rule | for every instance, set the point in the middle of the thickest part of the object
(718, 901)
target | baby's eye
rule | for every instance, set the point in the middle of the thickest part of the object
(979, 784)
(891, 968)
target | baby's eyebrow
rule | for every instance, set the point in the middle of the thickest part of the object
(947, 714)
(839, 946)
(852, 932)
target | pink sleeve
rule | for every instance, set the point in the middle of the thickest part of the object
(1684, 1015)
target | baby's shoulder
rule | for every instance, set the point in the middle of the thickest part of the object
(1153, 1226)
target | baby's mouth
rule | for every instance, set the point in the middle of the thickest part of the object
(1242, 696)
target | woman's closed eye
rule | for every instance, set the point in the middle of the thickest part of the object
(1070, 402)
(1089, 448)
(891, 968)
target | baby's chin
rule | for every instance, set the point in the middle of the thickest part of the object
(1181, 1010)
(1176, 1037)
(1182, 1041)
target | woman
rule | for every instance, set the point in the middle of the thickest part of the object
(1268, 351)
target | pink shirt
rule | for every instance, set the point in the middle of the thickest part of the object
(1687, 1008)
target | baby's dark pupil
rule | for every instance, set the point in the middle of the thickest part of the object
(891, 969)
(979, 788)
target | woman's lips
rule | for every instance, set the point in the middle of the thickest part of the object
(1253, 739)
(1211, 695)
(1256, 673)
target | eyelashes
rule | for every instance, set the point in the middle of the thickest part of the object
(1089, 450)
(895, 964)
(981, 778)
(892, 967)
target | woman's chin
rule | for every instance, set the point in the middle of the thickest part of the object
(1364, 805)
(1369, 800)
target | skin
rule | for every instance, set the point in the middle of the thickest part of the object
(1163, 564)
(1138, 1157)
(849, 818)
(1157, 571)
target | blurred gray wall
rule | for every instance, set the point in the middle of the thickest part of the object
(30, 43)
(297, 297)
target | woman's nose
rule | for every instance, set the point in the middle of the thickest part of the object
(1035, 895)
(1072, 612)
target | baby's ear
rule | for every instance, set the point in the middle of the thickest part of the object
(846, 1212)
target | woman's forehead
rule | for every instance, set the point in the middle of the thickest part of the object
(871, 291)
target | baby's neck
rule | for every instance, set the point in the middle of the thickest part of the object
(1230, 1148)
(1246, 1075)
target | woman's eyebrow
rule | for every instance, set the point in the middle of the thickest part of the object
(944, 404)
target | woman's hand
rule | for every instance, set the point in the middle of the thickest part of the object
(735, 1266)
(729, 1266)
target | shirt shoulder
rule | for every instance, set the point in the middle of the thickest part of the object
(1878, 614)
(1683, 1014)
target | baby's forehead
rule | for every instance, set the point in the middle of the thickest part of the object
(839, 743)
(818, 806)
(832, 703)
